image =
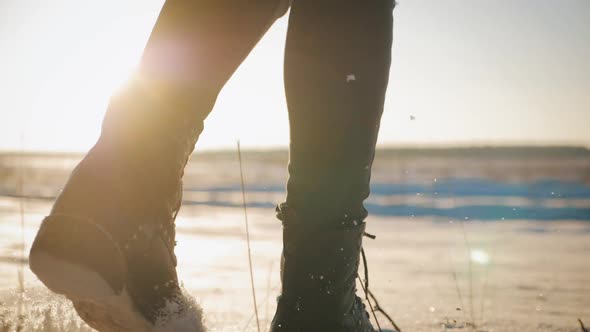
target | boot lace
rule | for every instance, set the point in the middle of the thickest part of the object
(369, 296)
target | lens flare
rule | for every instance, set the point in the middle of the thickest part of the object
(479, 256)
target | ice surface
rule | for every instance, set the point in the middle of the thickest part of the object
(529, 269)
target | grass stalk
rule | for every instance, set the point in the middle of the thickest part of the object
(248, 237)
(470, 272)
(21, 269)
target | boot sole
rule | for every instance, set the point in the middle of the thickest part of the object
(77, 259)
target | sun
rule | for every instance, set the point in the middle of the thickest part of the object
(78, 55)
(79, 73)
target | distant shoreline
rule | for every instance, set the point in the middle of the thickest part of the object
(399, 150)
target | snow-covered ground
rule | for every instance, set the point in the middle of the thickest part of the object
(498, 239)
(501, 275)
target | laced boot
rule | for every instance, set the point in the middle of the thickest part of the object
(318, 272)
(108, 243)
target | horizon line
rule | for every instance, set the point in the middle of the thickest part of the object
(379, 147)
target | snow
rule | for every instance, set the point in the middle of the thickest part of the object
(534, 276)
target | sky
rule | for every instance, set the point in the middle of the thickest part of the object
(464, 72)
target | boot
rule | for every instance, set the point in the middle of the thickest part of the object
(108, 243)
(318, 272)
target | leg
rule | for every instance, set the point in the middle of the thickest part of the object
(112, 227)
(336, 74)
(193, 50)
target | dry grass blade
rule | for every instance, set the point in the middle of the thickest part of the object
(470, 267)
(21, 269)
(248, 237)
(457, 288)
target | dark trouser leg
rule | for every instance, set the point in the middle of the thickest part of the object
(151, 126)
(336, 73)
(128, 187)
(193, 50)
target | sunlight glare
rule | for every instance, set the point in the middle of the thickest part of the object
(479, 256)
